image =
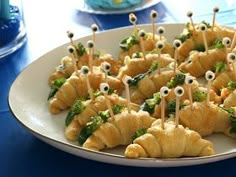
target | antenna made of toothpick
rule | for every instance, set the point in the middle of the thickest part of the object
(153, 16)
(85, 72)
(159, 45)
(104, 88)
(210, 76)
(215, 10)
(190, 14)
(94, 29)
(126, 80)
(141, 35)
(133, 20)
(177, 43)
(179, 91)
(189, 81)
(71, 50)
(203, 29)
(164, 91)
(90, 45)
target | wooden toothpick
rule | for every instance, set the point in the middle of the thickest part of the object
(190, 14)
(126, 80)
(210, 76)
(90, 45)
(141, 35)
(179, 91)
(71, 50)
(164, 91)
(203, 29)
(159, 45)
(215, 10)
(106, 67)
(177, 43)
(153, 16)
(189, 81)
(94, 29)
(85, 72)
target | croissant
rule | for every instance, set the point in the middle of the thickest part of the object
(118, 131)
(92, 107)
(149, 45)
(230, 100)
(205, 119)
(222, 80)
(75, 87)
(149, 85)
(200, 62)
(170, 142)
(137, 66)
(195, 39)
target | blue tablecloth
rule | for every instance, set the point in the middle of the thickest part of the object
(21, 154)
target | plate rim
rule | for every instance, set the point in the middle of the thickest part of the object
(149, 162)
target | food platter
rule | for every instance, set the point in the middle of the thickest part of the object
(80, 5)
(28, 102)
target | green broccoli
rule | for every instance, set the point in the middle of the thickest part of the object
(139, 133)
(55, 86)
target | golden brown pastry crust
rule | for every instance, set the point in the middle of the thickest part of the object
(169, 143)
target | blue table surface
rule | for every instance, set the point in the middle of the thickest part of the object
(22, 154)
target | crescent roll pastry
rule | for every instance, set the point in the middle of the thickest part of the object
(92, 107)
(118, 131)
(75, 87)
(200, 62)
(137, 66)
(148, 44)
(205, 119)
(150, 84)
(170, 142)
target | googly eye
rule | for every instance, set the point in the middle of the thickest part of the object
(226, 41)
(177, 43)
(94, 27)
(231, 57)
(84, 70)
(132, 18)
(189, 14)
(70, 49)
(106, 66)
(210, 75)
(202, 27)
(216, 9)
(90, 44)
(127, 80)
(179, 91)
(153, 14)
(104, 87)
(141, 33)
(189, 80)
(160, 45)
(70, 34)
(160, 30)
(164, 91)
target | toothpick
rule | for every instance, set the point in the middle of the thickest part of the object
(190, 14)
(164, 91)
(179, 91)
(153, 16)
(70, 36)
(141, 35)
(215, 10)
(90, 45)
(133, 20)
(104, 88)
(71, 50)
(189, 82)
(160, 31)
(85, 72)
(126, 80)
(210, 76)
(160, 45)
(233, 42)
(94, 29)
(177, 43)
(106, 67)
(203, 29)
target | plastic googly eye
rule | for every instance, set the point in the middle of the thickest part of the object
(179, 91)
(153, 14)
(210, 75)
(231, 57)
(106, 66)
(202, 27)
(188, 80)
(226, 41)
(104, 87)
(164, 91)
(70, 34)
(216, 9)
(84, 70)
(94, 27)
(160, 45)
(70, 49)
(177, 43)
(127, 80)
(160, 30)
(132, 18)
(141, 33)
(189, 14)
(90, 44)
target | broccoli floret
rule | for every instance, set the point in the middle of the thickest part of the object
(77, 108)
(219, 67)
(231, 85)
(170, 107)
(80, 49)
(177, 80)
(149, 104)
(199, 96)
(139, 133)
(55, 86)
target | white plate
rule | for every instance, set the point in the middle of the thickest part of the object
(80, 5)
(28, 102)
